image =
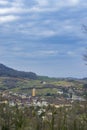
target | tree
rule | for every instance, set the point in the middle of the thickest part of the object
(85, 31)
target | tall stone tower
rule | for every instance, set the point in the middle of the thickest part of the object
(33, 92)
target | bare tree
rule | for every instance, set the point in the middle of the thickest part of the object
(85, 56)
(84, 27)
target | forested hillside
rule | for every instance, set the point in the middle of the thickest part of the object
(9, 72)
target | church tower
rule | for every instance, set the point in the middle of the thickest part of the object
(33, 92)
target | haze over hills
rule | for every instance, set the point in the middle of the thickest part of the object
(9, 72)
(20, 81)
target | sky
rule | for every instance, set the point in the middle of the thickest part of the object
(44, 36)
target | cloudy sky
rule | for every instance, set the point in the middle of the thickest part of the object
(44, 36)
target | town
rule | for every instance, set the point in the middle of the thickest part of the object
(63, 97)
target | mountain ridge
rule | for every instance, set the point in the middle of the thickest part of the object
(10, 72)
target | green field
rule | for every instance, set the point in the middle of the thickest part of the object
(42, 85)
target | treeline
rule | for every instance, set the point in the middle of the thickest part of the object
(73, 117)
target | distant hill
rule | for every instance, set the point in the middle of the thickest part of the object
(20, 81)
(9, 72)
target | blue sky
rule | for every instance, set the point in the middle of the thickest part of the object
(44, 36)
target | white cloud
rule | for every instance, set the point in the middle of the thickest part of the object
(36, 53)
(17, 49)
(42, 2)
(50, 5)
(57, 3)
(73, 2)
(10, 10)
(48, 52)
(71, 53)
(46, 33)
(48, 28)
(20, 6)
(3, 2)
(36, 26)
(8, 18)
